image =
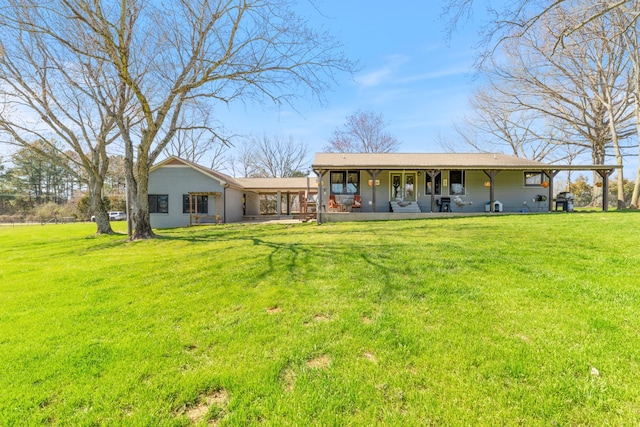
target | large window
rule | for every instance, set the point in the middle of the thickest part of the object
(158, 203)
(347, 182)
(200, 206)
(456, 182)
(534, 179)
(437, 182)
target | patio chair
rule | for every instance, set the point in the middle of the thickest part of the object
(357, 202)
(333, 204)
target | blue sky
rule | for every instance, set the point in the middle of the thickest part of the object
(408, 72)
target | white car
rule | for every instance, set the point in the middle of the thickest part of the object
(117, 216)
(113, 216)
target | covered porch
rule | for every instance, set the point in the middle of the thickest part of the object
(395, 186)
(278, 198)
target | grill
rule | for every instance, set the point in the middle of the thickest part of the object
(564, 200)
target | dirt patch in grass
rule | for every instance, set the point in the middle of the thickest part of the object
(318, 318)
(288, 379)
(370, 356)
(189, 348)
(218, 399)
(320, 362)
(274, 310)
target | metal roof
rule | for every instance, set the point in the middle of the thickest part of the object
(478, 161)
(271, 185)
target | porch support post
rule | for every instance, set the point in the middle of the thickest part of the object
(433, 173)
(279, 202)
(373, 174)
(319, 203)
(491, 173)
(288, 203)
(604, 174)
(551, 174)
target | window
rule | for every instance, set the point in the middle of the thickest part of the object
(438, 184)
(158, 203)
(456, 180)
(337, 182)
(347, 182)
(201, 204)
(534, 179)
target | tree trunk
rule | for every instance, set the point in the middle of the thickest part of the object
(616, 148)
(98, 208)
(141, 216)
(636, 187)
(597, 155)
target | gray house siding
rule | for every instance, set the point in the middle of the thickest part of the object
(233, 200)
(509, 189)
(252, 202)
(175, 181)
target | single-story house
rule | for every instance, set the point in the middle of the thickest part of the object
(415, 183)
(362, 186)
(183, 193)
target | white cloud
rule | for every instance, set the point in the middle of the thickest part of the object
(383, 74)
(461, 70)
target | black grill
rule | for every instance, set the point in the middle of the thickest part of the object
(564, 200)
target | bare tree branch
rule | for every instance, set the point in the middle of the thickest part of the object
(363, 132)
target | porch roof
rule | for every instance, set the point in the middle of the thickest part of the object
(273, 185)
(478, 161)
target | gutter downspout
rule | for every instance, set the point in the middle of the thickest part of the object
(319, 201)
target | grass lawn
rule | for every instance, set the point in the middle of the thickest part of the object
(505, 320)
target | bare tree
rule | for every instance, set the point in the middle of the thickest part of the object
(625, 20)
(363, 132)
(196, 137)
(582, 86)
(582, 89)
(243, 164)
(497, 125)
(514, 19)
(219, 156)
(278, 158)
(172, 55)
(51, 93)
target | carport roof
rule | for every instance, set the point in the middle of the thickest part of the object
(273, 185)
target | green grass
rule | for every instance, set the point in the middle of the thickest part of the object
(506, 320)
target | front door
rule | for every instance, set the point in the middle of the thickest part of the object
(404, 186)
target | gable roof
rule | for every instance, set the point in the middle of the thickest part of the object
(259, 185)
(424, 161)
(174, 161)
